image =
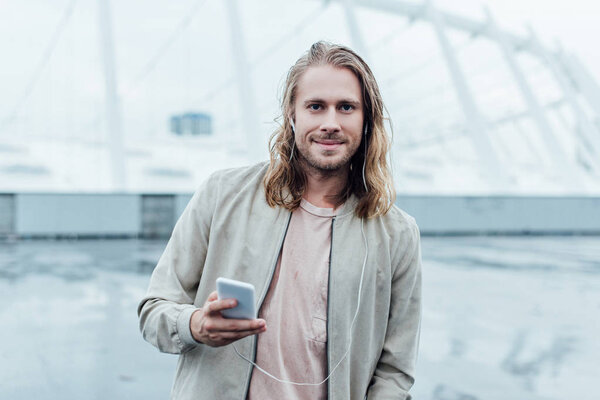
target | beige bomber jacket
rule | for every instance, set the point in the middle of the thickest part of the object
(228, 229)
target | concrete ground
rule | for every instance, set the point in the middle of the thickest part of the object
(504, 318)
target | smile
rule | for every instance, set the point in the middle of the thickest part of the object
(328, 144)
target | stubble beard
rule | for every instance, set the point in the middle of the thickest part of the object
(324, 168)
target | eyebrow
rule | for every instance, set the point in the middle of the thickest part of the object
(342, 101)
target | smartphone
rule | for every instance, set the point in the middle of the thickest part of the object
(241, 291)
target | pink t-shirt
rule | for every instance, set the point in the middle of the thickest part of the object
(294, 347)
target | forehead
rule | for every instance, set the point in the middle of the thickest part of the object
(328, 83)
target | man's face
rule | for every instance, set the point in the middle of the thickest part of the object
(329, 117)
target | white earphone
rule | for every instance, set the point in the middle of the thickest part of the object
(365, 161)
(294, 142)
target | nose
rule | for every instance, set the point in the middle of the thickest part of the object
(330, 123)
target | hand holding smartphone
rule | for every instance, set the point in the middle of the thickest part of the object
(208, 324)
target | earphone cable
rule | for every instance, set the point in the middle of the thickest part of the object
(351, 325)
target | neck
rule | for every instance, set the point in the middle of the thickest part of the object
(323, 187)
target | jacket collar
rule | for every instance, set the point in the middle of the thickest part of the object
(347, 209)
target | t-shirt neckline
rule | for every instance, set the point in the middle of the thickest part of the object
(314, 210)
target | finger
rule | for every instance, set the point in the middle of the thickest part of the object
(213, 296)
(232, 336)
(219, 305)
(235, 325)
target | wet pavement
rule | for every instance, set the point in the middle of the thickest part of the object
(504, 318)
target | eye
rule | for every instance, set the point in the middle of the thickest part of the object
(347, 107)
(314, 106)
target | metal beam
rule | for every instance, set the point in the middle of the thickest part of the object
(476, 124)
(581, 77)
(355, 35)
(417, 11)
(113, 108)
(589, 134)
(584, 81)
(251, 125)
(560, 161)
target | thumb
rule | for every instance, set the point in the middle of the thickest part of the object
(213, 296)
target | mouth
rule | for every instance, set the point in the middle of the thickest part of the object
(328, 144)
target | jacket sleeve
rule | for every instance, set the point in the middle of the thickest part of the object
(165, 312)
(395, 371)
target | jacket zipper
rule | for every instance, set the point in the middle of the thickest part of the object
(262, 299)
(328, 307)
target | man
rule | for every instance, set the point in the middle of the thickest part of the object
(335, 264)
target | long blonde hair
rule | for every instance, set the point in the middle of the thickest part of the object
(285, 180)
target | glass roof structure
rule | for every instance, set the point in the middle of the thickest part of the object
(474, 108)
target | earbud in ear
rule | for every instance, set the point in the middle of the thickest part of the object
(292, 124)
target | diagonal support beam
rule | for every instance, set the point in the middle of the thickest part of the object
(476, 124)
(589, 134)
(582, 78)
(560, 162)
(355, 35)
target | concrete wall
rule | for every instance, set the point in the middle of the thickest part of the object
(33, 215)
(7, 213)
(181, 200)
(158, 214)
(503, 215)
(77, 214)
